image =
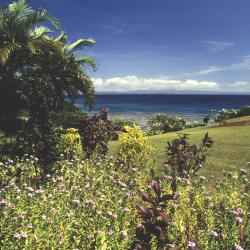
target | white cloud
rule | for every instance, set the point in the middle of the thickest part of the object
(215, 47)
(134, 83)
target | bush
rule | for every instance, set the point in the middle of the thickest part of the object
(39, 138)
(119, 125)
(96, 131)
(134, 147)
(244, 111)
(224, 114)
(70, 143)
(163, 123)
(206, 119)
(185, 159)
(194, 124)
(174, 123)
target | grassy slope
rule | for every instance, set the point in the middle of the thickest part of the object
(231, 148)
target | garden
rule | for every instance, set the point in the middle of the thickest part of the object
(69, 180)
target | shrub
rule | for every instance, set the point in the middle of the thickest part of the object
(39, 138)
(163, 123)
(185, 159)
(206, 119)
(155, 221)
(96, 131)
(134, 147)
(70, 143)
(194, 124)
(174, 123)
(119, 125)
(244, 110)
(225, 114)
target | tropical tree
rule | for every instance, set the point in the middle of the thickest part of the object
(38, 71)
(19, 34)
(22, 45)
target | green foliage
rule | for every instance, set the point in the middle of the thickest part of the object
(224, 114)
(134, 148)
(70, 117)
(18, 45)
(37, 72)
(163, 123)
(39, 138)
(96, 131)
(70, 143)
(244, 111)
(206, 119)
(118, 125)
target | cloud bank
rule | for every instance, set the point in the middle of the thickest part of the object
(163, 85)
(134, 83)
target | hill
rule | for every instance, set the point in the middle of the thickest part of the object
(231, 147)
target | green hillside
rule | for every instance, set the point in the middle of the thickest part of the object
(231, 145)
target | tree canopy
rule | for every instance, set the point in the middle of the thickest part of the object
(29, 53)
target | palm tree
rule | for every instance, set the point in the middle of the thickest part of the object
(28, 49)
(18, 37)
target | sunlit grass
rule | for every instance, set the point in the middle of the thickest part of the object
(231, 147)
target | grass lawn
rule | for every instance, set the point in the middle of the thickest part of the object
(231, 146)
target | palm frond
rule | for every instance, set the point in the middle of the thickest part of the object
(7, 51)
(70, 48)
(61, 38)
(43, 15)
(40, 31)
(87, 60)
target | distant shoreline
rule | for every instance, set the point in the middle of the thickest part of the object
(142, 118)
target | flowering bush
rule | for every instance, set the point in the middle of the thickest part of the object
(163, 123)
(96, 131)
(70, 143)
(225, 114)
(134, 147)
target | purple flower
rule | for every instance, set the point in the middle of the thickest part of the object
(239, 210)
(191, 244)
(3, 202)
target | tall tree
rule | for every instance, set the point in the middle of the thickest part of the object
(24, 47)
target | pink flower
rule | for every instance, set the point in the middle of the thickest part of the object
(3, 202)
(76, 202)
(20, 216)
(110, 232)
(191, 244)
(239, 219)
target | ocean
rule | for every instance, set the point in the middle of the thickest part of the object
(138, 106)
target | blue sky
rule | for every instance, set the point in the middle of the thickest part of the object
(162, 45)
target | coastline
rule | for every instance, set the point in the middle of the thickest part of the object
(142, 118)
